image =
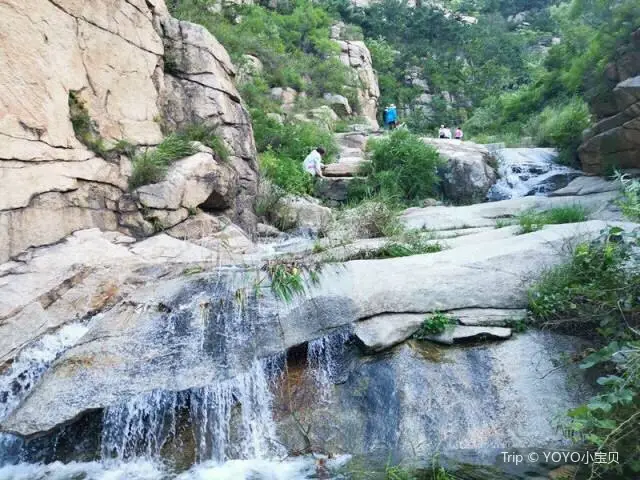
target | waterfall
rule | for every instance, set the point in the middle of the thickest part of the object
(325, 358)
(144, 424)
(528, 171)
(27, 368)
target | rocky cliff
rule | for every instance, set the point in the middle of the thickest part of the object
(615, 139)
(137, 72)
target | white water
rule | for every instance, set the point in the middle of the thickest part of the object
(32, 362)
(324, 357)
(144, 424)
(300, 468)
(528, 171)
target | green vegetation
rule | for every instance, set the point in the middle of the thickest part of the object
(395, 249)
(630, 203)
(532, 221)
(208, 136)
(597, 294)
(288, 278)
(550, 104)
(151, 166)
(403, 168)
(433, 324)
(285, 146)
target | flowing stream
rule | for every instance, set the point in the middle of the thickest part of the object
(529, 171)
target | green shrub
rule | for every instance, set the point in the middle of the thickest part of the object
(532, 221)
(208, 136)
(403, 167)
(630, 203)
(561, 126)
(597, 295)
(151, 166)
(286, 173)
(433, 325)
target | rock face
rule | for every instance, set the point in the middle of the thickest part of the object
(169, 322)
(467, 175)
(615, 140)
(109, 55)
(356, 55)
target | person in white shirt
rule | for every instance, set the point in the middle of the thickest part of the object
(313, 163)
(447, 133)
(442, 132)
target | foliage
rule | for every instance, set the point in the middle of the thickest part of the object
(630, 203)
(532, 221)
(288, 278)
(403, 168)
(433, 324)
(597, 294)
(561, 126)
(550, 104)
(286, 173)
(151, 166)
(285, 146)
(208, 136)
(372, 218)
(403, 246)
(292, 41)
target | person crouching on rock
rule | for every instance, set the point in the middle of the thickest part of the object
(313, 163)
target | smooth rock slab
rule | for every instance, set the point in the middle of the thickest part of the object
(461, 333)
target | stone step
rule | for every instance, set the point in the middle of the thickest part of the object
(349, 168)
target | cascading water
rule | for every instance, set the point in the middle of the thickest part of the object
(142, 426)
(324, 360)
(32, 362)
(528, 171)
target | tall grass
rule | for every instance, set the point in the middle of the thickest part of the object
(532, 221)
(151, 166)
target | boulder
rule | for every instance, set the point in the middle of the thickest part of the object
(345, 168)
(615, 141)
(286, 96)
(333, 189)
(199, 88)
(467, 175)
(384, 331)
(161, 336)
(195, 181)
(324, 116)
(356, 140)
(356, 55)
(338, 103)
(250, 67)
(265, 230)
(126, 66)
(298, 212)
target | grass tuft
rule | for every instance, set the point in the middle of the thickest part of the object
(532, 221)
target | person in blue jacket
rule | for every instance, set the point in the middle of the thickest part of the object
(385, 117)
(392, 116)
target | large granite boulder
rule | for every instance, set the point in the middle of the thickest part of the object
(356, 55)
(615, 141)
(125, 68)
(174, 332)
(615, 100)
(467, 174)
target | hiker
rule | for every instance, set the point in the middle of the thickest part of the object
(442, 132)
(313, 163)
(385, 117)
(392, 116)
(447, 133)
(459, 134)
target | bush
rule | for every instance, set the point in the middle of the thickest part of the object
(630, 203)
(403, 167)
(206, 135)
(371, 218)
(151, 166)
(597, 295)
(433, 325)
(532, 221)
(286, 173)
(561, 126)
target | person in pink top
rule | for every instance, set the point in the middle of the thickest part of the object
(459, 134)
